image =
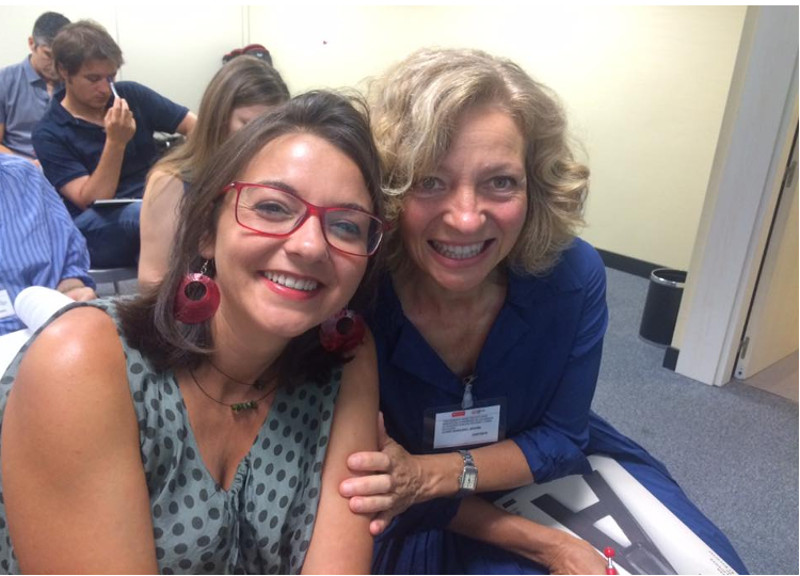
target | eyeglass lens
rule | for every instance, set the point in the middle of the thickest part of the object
(273, 211)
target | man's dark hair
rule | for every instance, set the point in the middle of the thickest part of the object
(47, 26)
(82, 41)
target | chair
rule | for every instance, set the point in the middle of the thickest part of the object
(113, 276)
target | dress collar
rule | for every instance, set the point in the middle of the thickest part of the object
(410, 352)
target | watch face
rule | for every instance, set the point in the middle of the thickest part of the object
(470, 481)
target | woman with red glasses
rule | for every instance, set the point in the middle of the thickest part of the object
(203, 427)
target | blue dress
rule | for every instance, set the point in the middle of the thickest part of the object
(541, 360)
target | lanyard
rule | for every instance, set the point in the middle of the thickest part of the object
(467, 401)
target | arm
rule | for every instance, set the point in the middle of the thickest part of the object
(549, 449)
(74, 486)
(400, 479)
(557, 550)
(353, 429)
(7, 150)
(69, 245)
(76, 289)
(187, 124)
(102, 183)
(4, 149)
(158, 224)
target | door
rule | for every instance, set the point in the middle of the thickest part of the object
(771, 332)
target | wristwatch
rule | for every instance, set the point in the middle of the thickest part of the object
(468, 481)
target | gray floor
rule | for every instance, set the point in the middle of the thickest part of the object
(781, 378)
(733, 449)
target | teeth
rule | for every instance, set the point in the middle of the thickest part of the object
(458, 252)
(291, 282)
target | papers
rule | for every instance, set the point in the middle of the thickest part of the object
(611, 508)
(9, 346)
(34, 306)
(115, 202)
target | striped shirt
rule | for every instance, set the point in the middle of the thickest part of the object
(39, 243)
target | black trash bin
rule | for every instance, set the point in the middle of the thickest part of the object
(662, 304)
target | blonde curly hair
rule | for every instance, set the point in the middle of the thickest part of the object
(415, 108)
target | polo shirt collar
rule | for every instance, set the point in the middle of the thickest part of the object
(30, 74)
(60, 114)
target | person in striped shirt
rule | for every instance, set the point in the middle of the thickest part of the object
(38, 240)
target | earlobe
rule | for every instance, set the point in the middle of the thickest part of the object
(207, 246)
(31, 43)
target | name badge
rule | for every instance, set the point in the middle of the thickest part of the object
(467, 427)
(448, 427)
(6, 308)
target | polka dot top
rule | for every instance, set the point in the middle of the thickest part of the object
(263, 523)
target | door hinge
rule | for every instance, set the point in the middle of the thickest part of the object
(743, 347)
(790, 172)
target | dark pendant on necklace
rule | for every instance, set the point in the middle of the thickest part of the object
(242, 406)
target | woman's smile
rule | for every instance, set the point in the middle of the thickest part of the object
(293, 286)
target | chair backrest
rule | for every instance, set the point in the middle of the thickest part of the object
(113, 276)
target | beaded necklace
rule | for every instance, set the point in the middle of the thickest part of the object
(236, 407)
(258, 384)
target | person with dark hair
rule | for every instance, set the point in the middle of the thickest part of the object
(95, 142)
(41, 246)
(494, 310)
(256, 50)
(203, 427)
(26, 88)
(239, 91)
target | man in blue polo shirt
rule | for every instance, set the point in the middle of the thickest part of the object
(25, 88)
(96, 145)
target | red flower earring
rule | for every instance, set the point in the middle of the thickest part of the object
(342, 332)
(197, 298)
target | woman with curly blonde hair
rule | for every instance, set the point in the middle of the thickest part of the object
(414, 116)
(492, 310)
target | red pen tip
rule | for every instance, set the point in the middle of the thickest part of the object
(609, 554)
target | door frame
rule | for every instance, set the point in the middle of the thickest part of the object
(744, 186)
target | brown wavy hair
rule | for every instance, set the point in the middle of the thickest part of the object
(81, 41)
(244, 81)
(416, 106)
(149, 321)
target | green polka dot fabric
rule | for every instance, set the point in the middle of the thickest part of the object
(263, 523)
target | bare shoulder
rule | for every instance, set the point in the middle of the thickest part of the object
(161, 175)
(73, 360)
(72, 470)
(84, 330)
(161, 183)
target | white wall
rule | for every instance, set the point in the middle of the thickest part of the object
(175, 53)
(645, 87)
